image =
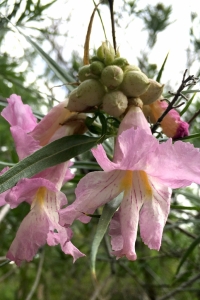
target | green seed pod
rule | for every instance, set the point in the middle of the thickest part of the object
(117, 55)
(115, 103)
(85, 73)
(93, 58)
(153, 92)
(74, 103)
(90, 92)
(131, 68)
(106, 53)
(112, 76)
(96, 67)
(134, 84)
(120, 62)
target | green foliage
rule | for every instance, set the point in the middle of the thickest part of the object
(54, 153)
(156, 19)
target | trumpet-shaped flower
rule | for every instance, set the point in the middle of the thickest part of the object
(172, 125)
(42, 191)
(145, 171)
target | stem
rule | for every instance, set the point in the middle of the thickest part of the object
(180, 288)
(111, 2)
(195, 115)
(176, 96)
(37, 278)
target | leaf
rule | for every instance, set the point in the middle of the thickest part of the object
(54, 153)
(108, 211)
(185, 207)
(188, 195)
(187, 253)
(162, 69)
(187, 105)
(189, 137)
(59, 71)
(89, 165)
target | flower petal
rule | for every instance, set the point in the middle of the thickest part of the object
(19, 114)
(94, 190)
(31, 235)
(177, 165)
(154, 213)
(26, 189)
(25, 144)
(3, 195)
(102, 159)
(44, 131)
(124, 225)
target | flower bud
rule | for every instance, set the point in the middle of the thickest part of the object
(106, 53)
(90, 92)
(134, 84)
(112, 76)
(172, 125)
(85, 73)
(131, 68)
(74, 103)
(153, 92)
(115, 103)
(120, 62)
(96, 67)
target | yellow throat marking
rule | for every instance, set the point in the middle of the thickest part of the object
(39, 197)
(145, 181)
(127, 181)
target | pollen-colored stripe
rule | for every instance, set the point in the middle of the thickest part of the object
(39, 197)
(146, 184)
(127, 181)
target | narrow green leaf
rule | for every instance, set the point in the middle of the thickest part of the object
(60, 72)
(108, 211)
(189, 137)
(55, 153)
(187, 253)
(189, 195)
(190, 91)
(162, 69)
(187, 105)
(89, 165)
(185, 207)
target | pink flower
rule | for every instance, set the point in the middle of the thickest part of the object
(42, 191)
(145, 171)
(30, 136)
(172, 124)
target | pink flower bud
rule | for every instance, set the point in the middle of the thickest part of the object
(172, 124)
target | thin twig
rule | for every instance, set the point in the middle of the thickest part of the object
(37, 278)
(111, 2)
(194, 117)
(180, 288)
(191, 235)
(190, 80)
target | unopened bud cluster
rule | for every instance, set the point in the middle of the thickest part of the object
(112, 84)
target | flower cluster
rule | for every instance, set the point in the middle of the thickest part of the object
(42, 191)
(109, 81)
(143, 170)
